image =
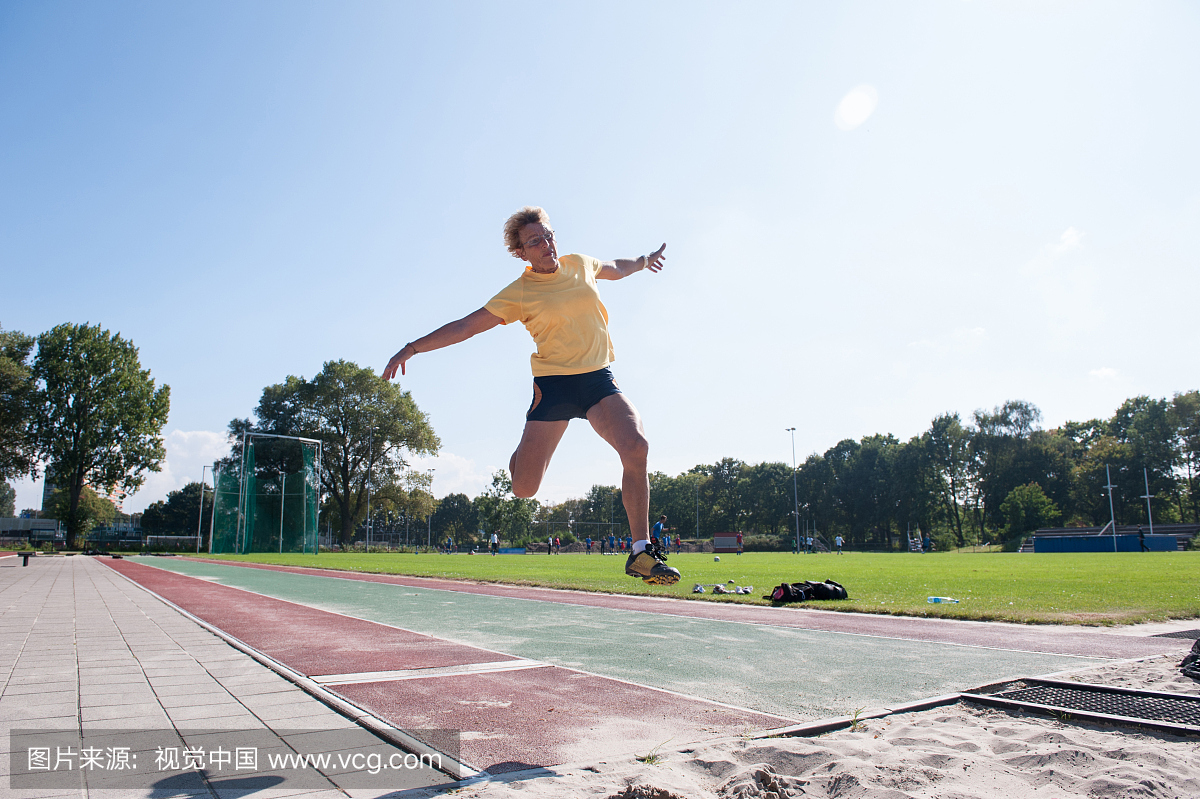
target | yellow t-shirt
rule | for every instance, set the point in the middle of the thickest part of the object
(563, 313)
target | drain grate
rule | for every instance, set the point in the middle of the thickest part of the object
(1173, 709)
(1193, 635)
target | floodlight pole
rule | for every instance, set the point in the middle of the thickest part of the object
(1111, 513)
(212, 521)
(429, 532)
(370, 457)
(242, 499)
(282, 504)
(1148, 496)
(795, 490)
(200, 521)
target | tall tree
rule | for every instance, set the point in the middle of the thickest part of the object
(18, 449)
(1185, 416)
(456, 517)
(91, 509)
(948, 444)
(98, 416)
(180, 513)
(500, 511)
(8, 501)
(366, 427)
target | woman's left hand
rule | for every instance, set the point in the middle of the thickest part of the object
(654, 261)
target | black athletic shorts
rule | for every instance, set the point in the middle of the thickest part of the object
(557, 398)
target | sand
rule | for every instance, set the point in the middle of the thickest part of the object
(952, 752)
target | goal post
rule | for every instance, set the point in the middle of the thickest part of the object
(269, 500)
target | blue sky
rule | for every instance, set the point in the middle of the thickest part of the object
(1006, 207)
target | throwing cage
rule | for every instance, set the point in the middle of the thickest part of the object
(269, 501)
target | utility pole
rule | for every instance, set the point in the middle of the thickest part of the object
(200, 521)
(1112, 514)
(1148, 496)
(795, 490)
(429, 532)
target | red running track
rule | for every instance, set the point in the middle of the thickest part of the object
(509, 720)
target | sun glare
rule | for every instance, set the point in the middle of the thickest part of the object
(856, 107)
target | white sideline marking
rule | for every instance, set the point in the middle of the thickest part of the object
(442, 671)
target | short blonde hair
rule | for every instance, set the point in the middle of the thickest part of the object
(529, 215)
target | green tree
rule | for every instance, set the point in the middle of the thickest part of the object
(90, 509)
(18, 448)
(677, 499)
(8, 501)
(366, 426)
(1185, 418)
(500, 511)
(1026, 509)
(456, 517)
(98, 416)
(180, 513)
(948, 444)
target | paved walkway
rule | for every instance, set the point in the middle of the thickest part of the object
(90, 654)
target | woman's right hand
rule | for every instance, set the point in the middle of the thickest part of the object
(398, 360)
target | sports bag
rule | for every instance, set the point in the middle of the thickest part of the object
(827, 590)
(809, 589)
(790, 592)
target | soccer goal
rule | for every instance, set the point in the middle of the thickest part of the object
(268, 501)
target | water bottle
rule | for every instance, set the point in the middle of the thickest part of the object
(937, 600)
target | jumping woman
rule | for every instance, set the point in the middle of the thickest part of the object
(558, 302)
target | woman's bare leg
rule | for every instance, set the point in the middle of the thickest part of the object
(528, 464)
(618, 423)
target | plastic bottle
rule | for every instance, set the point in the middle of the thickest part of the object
(936, 600)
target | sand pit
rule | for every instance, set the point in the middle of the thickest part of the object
(952, 752)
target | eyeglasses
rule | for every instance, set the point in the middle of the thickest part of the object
(538, 241)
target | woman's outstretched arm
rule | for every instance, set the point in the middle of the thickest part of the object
(444, 336)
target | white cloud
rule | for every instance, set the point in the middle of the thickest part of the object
(187, 454)
(960, 341)
(1104, 373)
(455, 474)
(1069, 240)
(856, 107)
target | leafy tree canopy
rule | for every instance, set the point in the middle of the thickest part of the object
(366, 425)
(18, 453)
(180, 513)
(98, 416)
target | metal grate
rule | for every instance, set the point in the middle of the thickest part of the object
(1193, 635)
(1173, 709)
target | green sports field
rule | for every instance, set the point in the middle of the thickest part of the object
(1109, 588)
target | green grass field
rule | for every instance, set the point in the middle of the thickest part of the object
(1110, 588)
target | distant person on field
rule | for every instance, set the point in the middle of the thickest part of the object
(838, 542)
(739, 543)
(588, 542)
(678, 544)
(557, 545)
(1142, 539)
(558, 302)
(495, 544)
(658, 532)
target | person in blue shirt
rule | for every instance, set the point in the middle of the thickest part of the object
(659, 534)
(588, 541)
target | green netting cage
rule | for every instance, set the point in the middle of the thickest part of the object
(267, 502)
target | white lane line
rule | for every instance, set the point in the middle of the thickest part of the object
(442, 671)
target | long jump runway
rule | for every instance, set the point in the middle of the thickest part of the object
(537, 677)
